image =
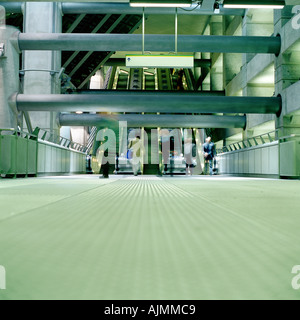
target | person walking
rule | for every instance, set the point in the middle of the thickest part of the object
(166, 147)
(135, 148)
(106, 145)
(189, 149)
(209, 155)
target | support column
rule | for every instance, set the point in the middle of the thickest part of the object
(44, 17)
(216, 72)
(232, 62)
(206, 55)
(287, 63)
(258, 22)
(9, 76)
(287, 73)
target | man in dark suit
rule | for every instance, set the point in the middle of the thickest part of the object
(209, 154)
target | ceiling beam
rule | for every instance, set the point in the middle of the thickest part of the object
(83, 60)
(95, 30)
(76, 23)
(106, 59)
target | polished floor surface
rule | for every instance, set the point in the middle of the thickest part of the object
(149, 238)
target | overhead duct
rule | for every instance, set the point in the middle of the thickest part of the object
(153, 43)
(145, 101)
(154, 121)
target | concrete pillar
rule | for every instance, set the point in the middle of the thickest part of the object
(2, 16)
(9, 76)
(287, 63)
(81, 134)
(247, 134)
(197, 71)
(216, 73)
(97, 81)
(42, 17)
(287, 73)
(206, 55)
(232, 62)
(257, 22)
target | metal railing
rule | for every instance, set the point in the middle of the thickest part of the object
(91, 139)
(289, 137)
(251, 142)
(47, 136)
(18, 153)
(18, 133)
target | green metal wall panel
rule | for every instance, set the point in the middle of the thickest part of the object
(22, 156)
(18, 153)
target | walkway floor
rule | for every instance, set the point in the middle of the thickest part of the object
(149, 238)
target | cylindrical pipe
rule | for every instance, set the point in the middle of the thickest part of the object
(153, 43)
(121, 62)
(125, 8)
(120, 8)
(144, 101)
(154, 121)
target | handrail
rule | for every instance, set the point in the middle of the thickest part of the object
(289, 137)
(47, 136)
(262, 139)
(19, 133)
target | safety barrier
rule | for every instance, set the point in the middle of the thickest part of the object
(47, 136)
(290, 156)
(256, 156)
(18, 153)
(25, 154)
(55, 159)
(59, 155)
(251, 142)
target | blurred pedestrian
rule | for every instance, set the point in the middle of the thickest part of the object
(135, 149)
(189, 150)
(209, 155)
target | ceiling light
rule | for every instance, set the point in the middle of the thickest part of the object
(254, 4)
(161, 3)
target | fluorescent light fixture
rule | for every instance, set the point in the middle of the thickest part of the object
(160, 61)
(161, 3)
(254, 4)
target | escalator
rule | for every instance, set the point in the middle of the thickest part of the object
(150, 81)
(122, 78)
(128, 80)
(152, 157)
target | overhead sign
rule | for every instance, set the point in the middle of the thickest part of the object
(160, 61)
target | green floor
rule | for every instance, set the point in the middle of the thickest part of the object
(149, 238)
